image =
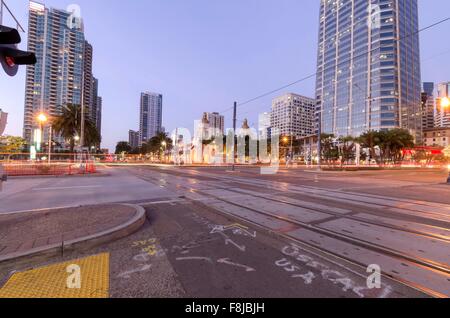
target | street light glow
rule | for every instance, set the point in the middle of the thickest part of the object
(42, 118)
(445, 102)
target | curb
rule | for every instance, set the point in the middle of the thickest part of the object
(86, 242)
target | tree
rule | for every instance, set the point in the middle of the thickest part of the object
(346, 149)
(370, 140)
(123, 147)
(68, 125)
(329, 151)
(11, 144)
(156, 144)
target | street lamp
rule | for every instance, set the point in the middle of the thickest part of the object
(41, 119)
(445, 102)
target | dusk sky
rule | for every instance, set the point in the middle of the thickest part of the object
(202, 55)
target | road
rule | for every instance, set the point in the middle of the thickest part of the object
(213, 233)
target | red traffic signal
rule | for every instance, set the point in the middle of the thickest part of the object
(10, 56)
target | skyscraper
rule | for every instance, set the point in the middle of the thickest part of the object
(63, 72)
(133, 138)
(366, 78)
(216, 122)
(150, 123)
(293, 115)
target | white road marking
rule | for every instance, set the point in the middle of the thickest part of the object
(67, 188)
(206, 259)
(229, 262)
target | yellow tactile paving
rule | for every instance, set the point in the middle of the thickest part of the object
(53, 281)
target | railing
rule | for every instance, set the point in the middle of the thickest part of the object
(17, 168)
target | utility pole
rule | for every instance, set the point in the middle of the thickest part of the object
(234, 135)
(319, 142)
(82, 114)
(50, 144)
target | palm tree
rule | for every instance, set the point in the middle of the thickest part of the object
(159, 143)
(370, 140)
(68, 125)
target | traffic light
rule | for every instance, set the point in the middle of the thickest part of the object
(10, 56)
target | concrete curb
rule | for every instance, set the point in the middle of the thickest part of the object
(87, 242)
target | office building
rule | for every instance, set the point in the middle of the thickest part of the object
(150, 123)
(293, 115)
(133, 139)
(437, 137)
(366, 78)
(216, 122)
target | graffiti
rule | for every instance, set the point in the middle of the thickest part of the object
(333, 276)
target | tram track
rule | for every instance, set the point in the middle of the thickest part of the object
(402, 257)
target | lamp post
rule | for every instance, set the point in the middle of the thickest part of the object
(42, 119)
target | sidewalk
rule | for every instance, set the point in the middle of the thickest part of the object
(30, 233)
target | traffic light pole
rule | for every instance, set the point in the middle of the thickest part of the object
(234, 135)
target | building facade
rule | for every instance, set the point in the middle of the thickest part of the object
(150, 123)
(442, 114)
(216, 122)
(437, 137)
(293, 115)
(133, 139)
(428, 106)
(264, 126)
(3, 121)
(63, 72)
(366, 78)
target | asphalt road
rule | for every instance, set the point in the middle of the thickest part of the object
(295, 234)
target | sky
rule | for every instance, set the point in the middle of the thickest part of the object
(203, 55)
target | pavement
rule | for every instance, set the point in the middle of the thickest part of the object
(116, 185)
(211, 233)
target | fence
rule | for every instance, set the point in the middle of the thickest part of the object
(48, 169)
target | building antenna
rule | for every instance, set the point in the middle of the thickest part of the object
(4, 6)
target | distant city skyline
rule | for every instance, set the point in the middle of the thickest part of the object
(221, 61)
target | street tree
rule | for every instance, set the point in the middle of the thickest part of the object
(68, 125)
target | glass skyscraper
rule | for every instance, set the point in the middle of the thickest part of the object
(368, 70)
(63, 72)
(150, 123)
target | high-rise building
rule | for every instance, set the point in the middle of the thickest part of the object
(216, 122)
(293, 115)
(3, 120)
(442, 114)
(428, 106)
(264, 126)
(98, 120)
(150, 123)
(63, 72)
(133, 138)
(368, 70)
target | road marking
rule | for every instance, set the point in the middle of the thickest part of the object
(229, 262)
(67, 188)
(206, 259)
(128, 274)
